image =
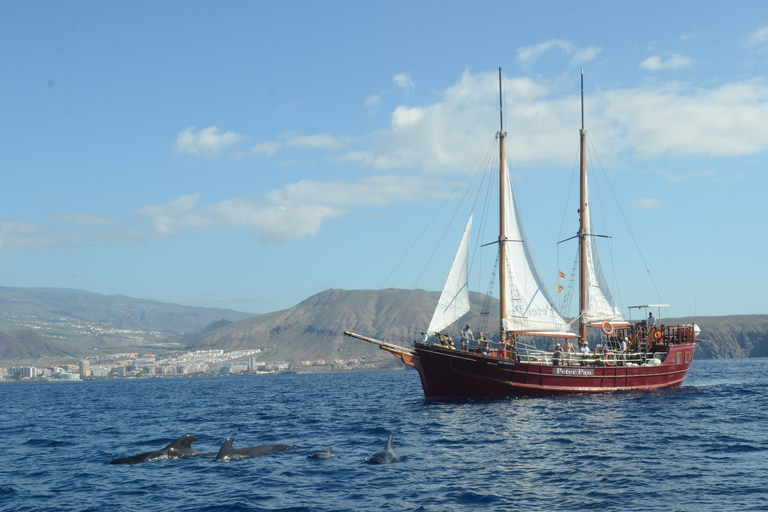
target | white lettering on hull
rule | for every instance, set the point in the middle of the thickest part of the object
(574, 371)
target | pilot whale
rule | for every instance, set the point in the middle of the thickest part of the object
(180, 448)
(384, 456)
(322, 455)
(228, 452)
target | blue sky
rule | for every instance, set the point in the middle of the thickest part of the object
(250, 154)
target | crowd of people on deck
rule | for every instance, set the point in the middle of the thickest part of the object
(560, 356)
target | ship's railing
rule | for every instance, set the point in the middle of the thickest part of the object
(597, 358)
(658, 338)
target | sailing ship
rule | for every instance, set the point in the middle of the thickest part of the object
(629, 355)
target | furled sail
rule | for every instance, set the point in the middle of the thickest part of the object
(600, 303)
(454, 301)
(529, 308)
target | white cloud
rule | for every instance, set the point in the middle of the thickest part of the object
(650, 120)
(20, 235)
(404, 81)
(673, 62)
(82, 230)
(266, 148)
(372, 101)
(646, 203)
(271, 223)
(207, 143)
(679, 119)
(85, 219)
(587, 54)
(758, 37)
(448, 135)
(297, 140)
(320, 140)
(373, 190)
(529, 54)
(693, 175)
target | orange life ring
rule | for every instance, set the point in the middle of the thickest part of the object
(610, 359)
(657, 335)
(607, 327)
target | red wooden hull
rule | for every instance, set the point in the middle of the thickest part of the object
(451, 374)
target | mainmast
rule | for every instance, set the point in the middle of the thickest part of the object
(502, 216)
(583, 222)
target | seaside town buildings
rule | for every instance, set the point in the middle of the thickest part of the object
(201, 362)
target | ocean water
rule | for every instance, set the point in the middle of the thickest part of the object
(703, 446)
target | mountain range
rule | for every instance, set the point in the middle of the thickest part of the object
(35, 323)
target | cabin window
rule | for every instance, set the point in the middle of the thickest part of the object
(679, 358)
(687, 357)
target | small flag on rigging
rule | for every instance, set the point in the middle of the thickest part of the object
(560, 288)
(561, 274)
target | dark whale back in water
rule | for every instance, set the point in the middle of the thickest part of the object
(182, 447)
(228, 451)
(323, 455)
(385, 456)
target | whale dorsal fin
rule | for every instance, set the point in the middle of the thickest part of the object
(388, 446)
(184, 442)
(226, 448)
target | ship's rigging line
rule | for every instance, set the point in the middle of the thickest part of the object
(480, 163)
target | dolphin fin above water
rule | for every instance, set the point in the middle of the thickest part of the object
(384, 456)
(178, 449)
(228, 452)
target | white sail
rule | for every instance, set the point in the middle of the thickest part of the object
(529, 308)
(454, 301)
(600, 303)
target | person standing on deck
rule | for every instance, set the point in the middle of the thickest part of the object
(466, 336)
(484, 344)
(651, 320)
(557, 355)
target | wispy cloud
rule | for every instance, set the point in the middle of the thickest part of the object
(297, 140)
(757, 38)
(372, 101)
(689, 176)
(529, 54)
(271, 224)
(373, 190)
(404, 81)
(207, 143)
(85, 219)
(646, 203)
(320, 140)
(266, 148)
(673, 62)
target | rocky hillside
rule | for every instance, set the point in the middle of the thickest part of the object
(19, 305)
(28, 344)
(731, 336)
(313, 330)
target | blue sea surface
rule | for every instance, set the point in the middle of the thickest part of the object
(703, 446)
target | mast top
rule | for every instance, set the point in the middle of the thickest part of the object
(582, 99)
(501, 108)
